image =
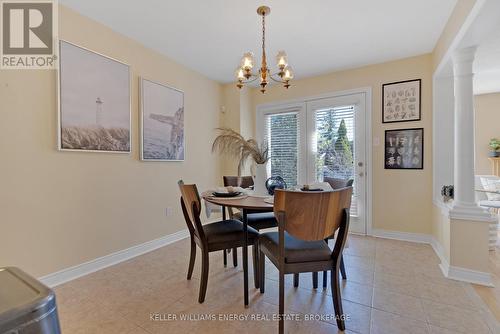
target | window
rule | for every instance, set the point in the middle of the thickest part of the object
(335, 142)
(335, 145)
(282, 140)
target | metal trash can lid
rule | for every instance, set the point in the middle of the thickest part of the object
(22, 297)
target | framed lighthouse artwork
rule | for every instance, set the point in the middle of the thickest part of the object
(162, 122)
(94, 101)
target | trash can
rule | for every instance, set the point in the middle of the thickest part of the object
(26, 305)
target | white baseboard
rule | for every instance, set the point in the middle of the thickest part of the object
(86, 268)
(467, 275)
(459, 273)
(451, 272)
(403, 236)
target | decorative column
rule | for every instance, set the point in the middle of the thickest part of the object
(464, 204)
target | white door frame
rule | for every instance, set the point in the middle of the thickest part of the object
(296, 103)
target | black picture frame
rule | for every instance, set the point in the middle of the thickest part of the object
(398, 143)
(388, 112)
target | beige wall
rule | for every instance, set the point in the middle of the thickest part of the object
(401, 198)
(238, 115)
(60, 209)
(441, 230)
(487, 126)
(457, 18)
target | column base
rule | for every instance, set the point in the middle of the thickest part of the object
(471, 211)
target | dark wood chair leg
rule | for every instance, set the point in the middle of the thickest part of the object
(295, 280)
(315, 280)
(235, 257)
(282, 303)
(325, 273)
(204, 277)
(225, 257)
(342, 267)
(337, 299)
(262, 271)
(255, 257)
(192, 258)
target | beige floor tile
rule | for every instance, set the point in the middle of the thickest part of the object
(439, 330)
(404, 305)
(389, 323)
(316, 327)
(362, 262)
(311, 302)
(356, 293)
(404, 284)
(360, 247)
(360, 275)
(454, 318)
(401, 280)
(97, 319)
(395, 267)
(448, 294)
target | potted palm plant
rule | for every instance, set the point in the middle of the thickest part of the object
(231, 143)
(494, 147)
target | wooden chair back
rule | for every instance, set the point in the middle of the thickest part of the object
(191, 208)
(338, 183)
(238, 181)
(311, 216)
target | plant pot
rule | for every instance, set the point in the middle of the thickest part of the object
(260, 179)
(494, 154)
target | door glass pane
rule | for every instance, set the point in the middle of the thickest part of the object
(335, 145)
(282, 138)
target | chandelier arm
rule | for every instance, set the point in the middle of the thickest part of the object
(247, 81)
(275, 76)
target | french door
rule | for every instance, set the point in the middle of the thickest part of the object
(319, 138)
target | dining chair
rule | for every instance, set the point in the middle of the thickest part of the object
(257, 220)
(210, 237)
(335, 183)
(305, 220)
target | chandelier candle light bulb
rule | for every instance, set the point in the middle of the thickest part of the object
(244, 74)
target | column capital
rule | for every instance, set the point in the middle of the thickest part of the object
(465, 55)
(462, 60)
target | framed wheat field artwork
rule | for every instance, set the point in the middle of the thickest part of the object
(162, 122)
(401, 101)
(94, 101)
(404, 149)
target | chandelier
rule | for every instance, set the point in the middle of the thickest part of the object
(244, 73)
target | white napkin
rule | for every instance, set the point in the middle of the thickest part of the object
(325, 186)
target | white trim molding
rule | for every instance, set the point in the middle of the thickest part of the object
(473, 213)
(403, 236)
(466, 275)
(458, 273)
(89, 267)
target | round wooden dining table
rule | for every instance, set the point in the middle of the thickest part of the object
(246, 204)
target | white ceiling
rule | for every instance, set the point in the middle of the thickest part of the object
(487, 65)
(319, 35)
